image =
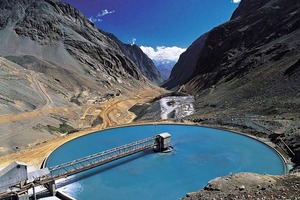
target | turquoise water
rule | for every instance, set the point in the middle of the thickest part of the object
(200, 154)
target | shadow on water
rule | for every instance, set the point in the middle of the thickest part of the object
(103, 168)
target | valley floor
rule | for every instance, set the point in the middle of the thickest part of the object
(113, 113)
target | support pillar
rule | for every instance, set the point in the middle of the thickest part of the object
(52, 187)
(33, 191)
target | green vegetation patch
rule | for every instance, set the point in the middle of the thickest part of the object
(63, 128)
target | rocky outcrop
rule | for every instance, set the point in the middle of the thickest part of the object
(142, 61)
(250, 186)
(56, 40)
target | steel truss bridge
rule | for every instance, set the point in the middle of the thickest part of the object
(79, 165)
(94, 160)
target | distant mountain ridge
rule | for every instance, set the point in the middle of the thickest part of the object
(56, 40)
(164, 67)
(144, 63)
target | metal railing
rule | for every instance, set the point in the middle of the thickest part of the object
(94, 160)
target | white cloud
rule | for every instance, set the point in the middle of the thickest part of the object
(133, 41)
(93, 19)
(97, 18)
(235, 1)
(162, 53)
(105, 12)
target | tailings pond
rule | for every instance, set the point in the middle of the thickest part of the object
(200, 154)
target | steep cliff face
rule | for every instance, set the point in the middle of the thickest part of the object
(186, 64)
(57, 41)
(143, 62)
(251, 62)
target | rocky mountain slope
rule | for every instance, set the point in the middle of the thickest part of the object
(251, 60)
(56, 68)
(55, 40)
(144, 63)
(247, 73)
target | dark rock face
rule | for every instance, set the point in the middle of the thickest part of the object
(249, 41)
(55, 39)
(252, 59)
(186, 64)
(143, 62)
(294, 69)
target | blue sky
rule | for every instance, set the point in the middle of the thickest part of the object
(157, 25)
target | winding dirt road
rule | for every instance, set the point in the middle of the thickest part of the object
(41, 90)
